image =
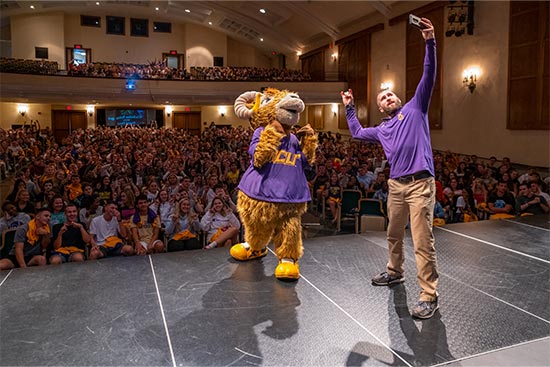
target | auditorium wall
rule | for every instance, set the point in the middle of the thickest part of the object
(123, 48)
(37, 111)
(57, 31)
(45, 30)
(473, 123)
(203, 44)
(241, 54)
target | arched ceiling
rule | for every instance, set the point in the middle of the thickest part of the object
(285, 27)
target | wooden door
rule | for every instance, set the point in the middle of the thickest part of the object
(189, 121)
(78, 120)
(64, 122)
(194, 123)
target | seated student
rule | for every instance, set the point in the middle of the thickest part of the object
(465, 206)
(12, 218)
(73, 189)
(57, 209)
(182, 231)
(232, 176)
(439, 214)
(221, 225)
(528, 202)
(479, 192)
(377, 184)
(219, 191)
(152, 190)
(69, 238)
(172, 185)
(23, 202)
(500, 203)
(382, 193)
(31, 239)
(43, 198)
(318, 183)
(104, 189)
(333, 194)
(90, 209)
(87, 191)
(104, 234)
(145, 227)
(536, 189)
(18, 184)
(164, 207)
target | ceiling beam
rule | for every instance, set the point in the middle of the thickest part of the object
(382, 8)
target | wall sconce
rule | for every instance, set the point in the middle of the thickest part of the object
(222, 111)
(22, 109)
(386, 85)
(469, 78)
(168, 110)
(334, 57)
(90, 110)
(334, 109)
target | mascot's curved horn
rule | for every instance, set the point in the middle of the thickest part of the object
(244, 105)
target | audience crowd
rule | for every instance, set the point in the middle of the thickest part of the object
(134, 191)
(153, 70)
(21, 66)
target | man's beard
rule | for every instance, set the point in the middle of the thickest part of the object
(390, 111)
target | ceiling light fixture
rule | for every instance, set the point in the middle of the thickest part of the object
(262, 11)
(97, 2)
(187, 11)
(157, 8)
(210, 23)
(261, 39)
(32, 6)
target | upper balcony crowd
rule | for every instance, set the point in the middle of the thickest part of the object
(153, 70)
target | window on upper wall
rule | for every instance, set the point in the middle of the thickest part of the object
(90, 21)
(115, 25)
(218, 61)
(528, 66)
(139, 27)
(162, 27)
(41, 53)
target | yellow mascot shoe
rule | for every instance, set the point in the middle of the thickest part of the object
(243, 252)
(287, 269)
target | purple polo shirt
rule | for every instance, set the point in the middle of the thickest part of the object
(281, 180)
(406, 136)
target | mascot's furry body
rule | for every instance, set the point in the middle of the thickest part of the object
(274, 191)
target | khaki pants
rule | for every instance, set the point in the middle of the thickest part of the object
(416, 198)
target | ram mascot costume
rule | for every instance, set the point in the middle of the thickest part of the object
(273, 192)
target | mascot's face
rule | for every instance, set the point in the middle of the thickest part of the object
(262, 108)
(287, 107)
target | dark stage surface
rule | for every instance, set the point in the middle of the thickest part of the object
(202, 308)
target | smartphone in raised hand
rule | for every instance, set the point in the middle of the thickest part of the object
(416, 21)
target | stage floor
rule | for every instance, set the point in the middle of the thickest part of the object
(201, 308)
